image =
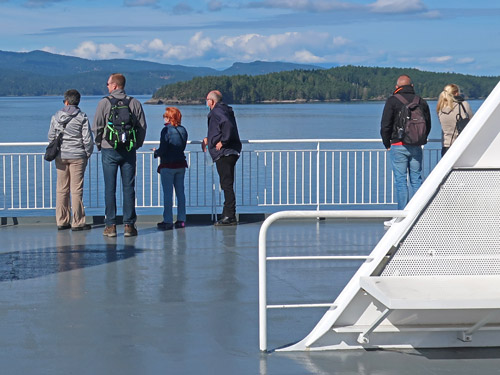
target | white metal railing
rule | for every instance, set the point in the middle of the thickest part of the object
(263, 258)
(311, 173)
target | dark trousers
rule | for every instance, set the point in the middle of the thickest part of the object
(126, 162)
(225, 168)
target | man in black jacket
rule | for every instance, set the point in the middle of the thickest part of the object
(406, 159)
(224, 146)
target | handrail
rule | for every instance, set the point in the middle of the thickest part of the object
(263, 306)
(249, 141)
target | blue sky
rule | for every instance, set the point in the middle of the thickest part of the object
(460, 36)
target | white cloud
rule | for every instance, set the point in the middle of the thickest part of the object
(182, 8)
(439, 59)
(340, 41)
(215, 6)
(40, 3)
(303, 5)
(307, 57)
(397, 6)
(279, 45)
(197, 46)
(141, 3)
(300, 47)
(466, 60)
(91, 50)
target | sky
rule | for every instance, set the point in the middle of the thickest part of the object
(460, 36)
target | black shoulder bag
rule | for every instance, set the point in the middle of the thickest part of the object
(461, 121)
(54, 146)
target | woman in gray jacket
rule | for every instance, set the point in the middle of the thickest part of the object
(448, 107)
(76, 148)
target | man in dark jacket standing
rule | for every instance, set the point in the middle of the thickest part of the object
(224, 145)
(406, 159)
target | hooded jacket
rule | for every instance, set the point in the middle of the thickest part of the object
(77, 140)
(392, 108)
(222, 128)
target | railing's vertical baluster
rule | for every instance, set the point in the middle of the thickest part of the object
(333, 177)
(325, 199)
(27, 182)
(4, 183)
(257, 190)
(11, 181)
(310, 177)
(370, 162)
(280, 177)
(348, 176)
(303, 178)
(265, 178)
(150, 156)
(19, 178)
(288, 177)
(272, 178)
(35, 181)
(295, 177)
(317, 175)
(340, 177)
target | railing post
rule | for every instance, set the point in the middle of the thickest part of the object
(317, 176)
(263, 287)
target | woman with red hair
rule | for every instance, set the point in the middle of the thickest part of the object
(172, 168)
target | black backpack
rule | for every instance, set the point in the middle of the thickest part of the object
(410, 122)
(121, 127)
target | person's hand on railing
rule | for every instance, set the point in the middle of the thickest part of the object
(204, 144)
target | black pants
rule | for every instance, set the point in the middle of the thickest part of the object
(225, 168)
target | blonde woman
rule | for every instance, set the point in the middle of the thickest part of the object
(448, 107)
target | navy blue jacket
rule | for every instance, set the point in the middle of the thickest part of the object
(172, 144)
(222, 128)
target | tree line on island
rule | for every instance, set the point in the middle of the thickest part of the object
(346, 83)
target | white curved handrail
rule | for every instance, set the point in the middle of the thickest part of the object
(353, 214)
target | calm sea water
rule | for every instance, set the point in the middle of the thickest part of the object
(27, 119)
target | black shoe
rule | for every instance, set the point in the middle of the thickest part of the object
(225, 221)
(85, 227)
(63, 227)
(164, 226)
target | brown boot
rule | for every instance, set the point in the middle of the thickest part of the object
(130, 230)
(110, 231)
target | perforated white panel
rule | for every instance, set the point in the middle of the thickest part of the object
(458, 233)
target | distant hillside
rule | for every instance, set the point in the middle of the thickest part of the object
(336, 84)
(264, 67)
(41, 73)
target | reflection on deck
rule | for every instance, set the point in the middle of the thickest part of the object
(183, 301)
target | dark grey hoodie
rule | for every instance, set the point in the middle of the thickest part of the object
(78, 142)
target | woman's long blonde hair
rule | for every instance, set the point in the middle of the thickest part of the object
(446, 98)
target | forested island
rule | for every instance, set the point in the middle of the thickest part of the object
(346, 83)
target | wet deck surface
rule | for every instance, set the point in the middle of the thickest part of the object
(185, 302)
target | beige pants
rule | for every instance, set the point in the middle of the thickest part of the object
(70, 174)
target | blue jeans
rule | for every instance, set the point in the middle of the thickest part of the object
(406, 161)
(126, 161)
(173, 178)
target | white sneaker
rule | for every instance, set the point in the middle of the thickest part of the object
(389, 223)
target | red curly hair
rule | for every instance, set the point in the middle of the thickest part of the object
(173, 115)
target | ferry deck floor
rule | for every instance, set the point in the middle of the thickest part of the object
(185, 301)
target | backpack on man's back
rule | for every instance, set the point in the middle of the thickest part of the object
(410, 123)
(121, 126)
